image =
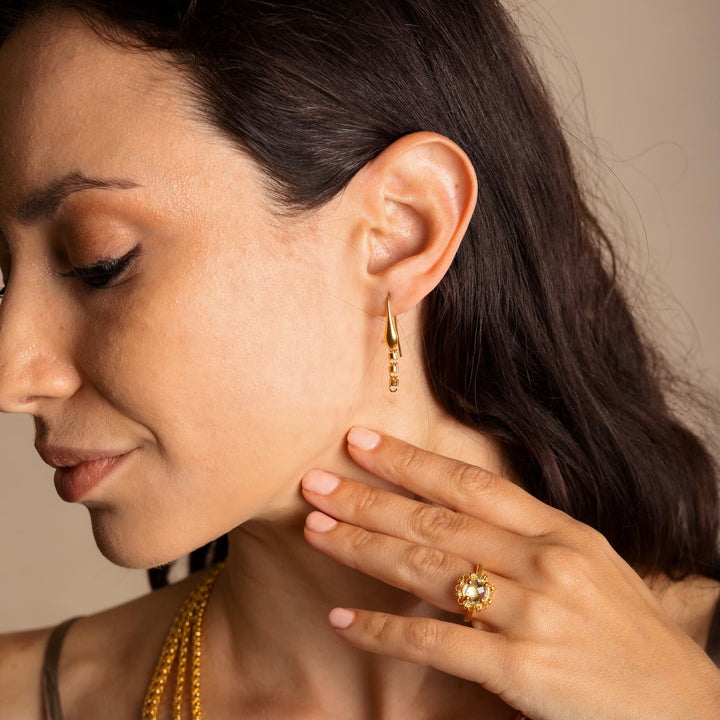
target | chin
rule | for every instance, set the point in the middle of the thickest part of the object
(133, 548)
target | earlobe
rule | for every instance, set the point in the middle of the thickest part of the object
(420, 194)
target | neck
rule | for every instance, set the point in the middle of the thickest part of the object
(267, 617)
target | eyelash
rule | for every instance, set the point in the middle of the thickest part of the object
(98, 276)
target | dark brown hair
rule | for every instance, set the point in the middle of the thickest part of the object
(528, 337)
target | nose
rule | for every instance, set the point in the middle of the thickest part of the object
(35, 363)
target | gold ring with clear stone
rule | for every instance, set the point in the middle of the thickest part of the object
(474, 592)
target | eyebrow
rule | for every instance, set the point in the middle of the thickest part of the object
(46, 201)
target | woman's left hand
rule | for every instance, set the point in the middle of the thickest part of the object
(573, 631)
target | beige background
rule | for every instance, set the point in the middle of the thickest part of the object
(650, 71)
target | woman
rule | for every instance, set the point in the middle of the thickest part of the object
(213, 217)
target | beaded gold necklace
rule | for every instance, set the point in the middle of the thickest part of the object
(185, 631)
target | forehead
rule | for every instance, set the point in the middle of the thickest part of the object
(71, 101)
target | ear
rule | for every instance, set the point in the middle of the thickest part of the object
(413, 204)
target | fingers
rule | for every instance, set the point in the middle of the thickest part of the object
(475, 655)
(428, 573)
(452, 483)
(388, 513)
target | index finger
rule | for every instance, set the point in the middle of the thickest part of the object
(455, 484)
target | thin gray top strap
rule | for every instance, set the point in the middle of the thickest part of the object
(51, 697)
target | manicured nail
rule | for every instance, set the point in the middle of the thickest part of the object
(319, 522)
(341, 618)
(320, 482)
(363, 438)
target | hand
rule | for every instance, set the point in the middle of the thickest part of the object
(573, 632)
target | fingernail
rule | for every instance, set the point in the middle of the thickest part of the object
(363, 438)
(320, 482)
(341, 618)
(319, 522)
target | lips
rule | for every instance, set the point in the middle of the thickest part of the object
(67, 457)
(73, 483)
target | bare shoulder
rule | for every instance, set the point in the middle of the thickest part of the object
(115, 649)
(21, 656)
(692, 603)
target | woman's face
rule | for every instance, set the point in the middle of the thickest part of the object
(230, 348)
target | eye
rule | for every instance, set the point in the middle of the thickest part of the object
(102, 273)
(99, 275)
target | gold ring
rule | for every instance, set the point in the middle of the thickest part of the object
(474, 592)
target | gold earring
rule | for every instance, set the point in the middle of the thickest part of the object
(393, 342)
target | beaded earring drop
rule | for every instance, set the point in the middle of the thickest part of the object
(392, 340)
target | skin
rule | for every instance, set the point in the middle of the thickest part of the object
(234, 354)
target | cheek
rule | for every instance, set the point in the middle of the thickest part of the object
(239, 379)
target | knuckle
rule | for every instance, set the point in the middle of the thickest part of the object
(469, 481)
(404, 461)
(380, 627)
(579, 534)
(365, 500)
(537, 614)
(422, 636)
(358, 541)
(560, 564)
(423, 560)
(431, 523)
(593, 540)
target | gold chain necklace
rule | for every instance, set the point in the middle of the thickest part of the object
(187, 624)
(185, 631)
